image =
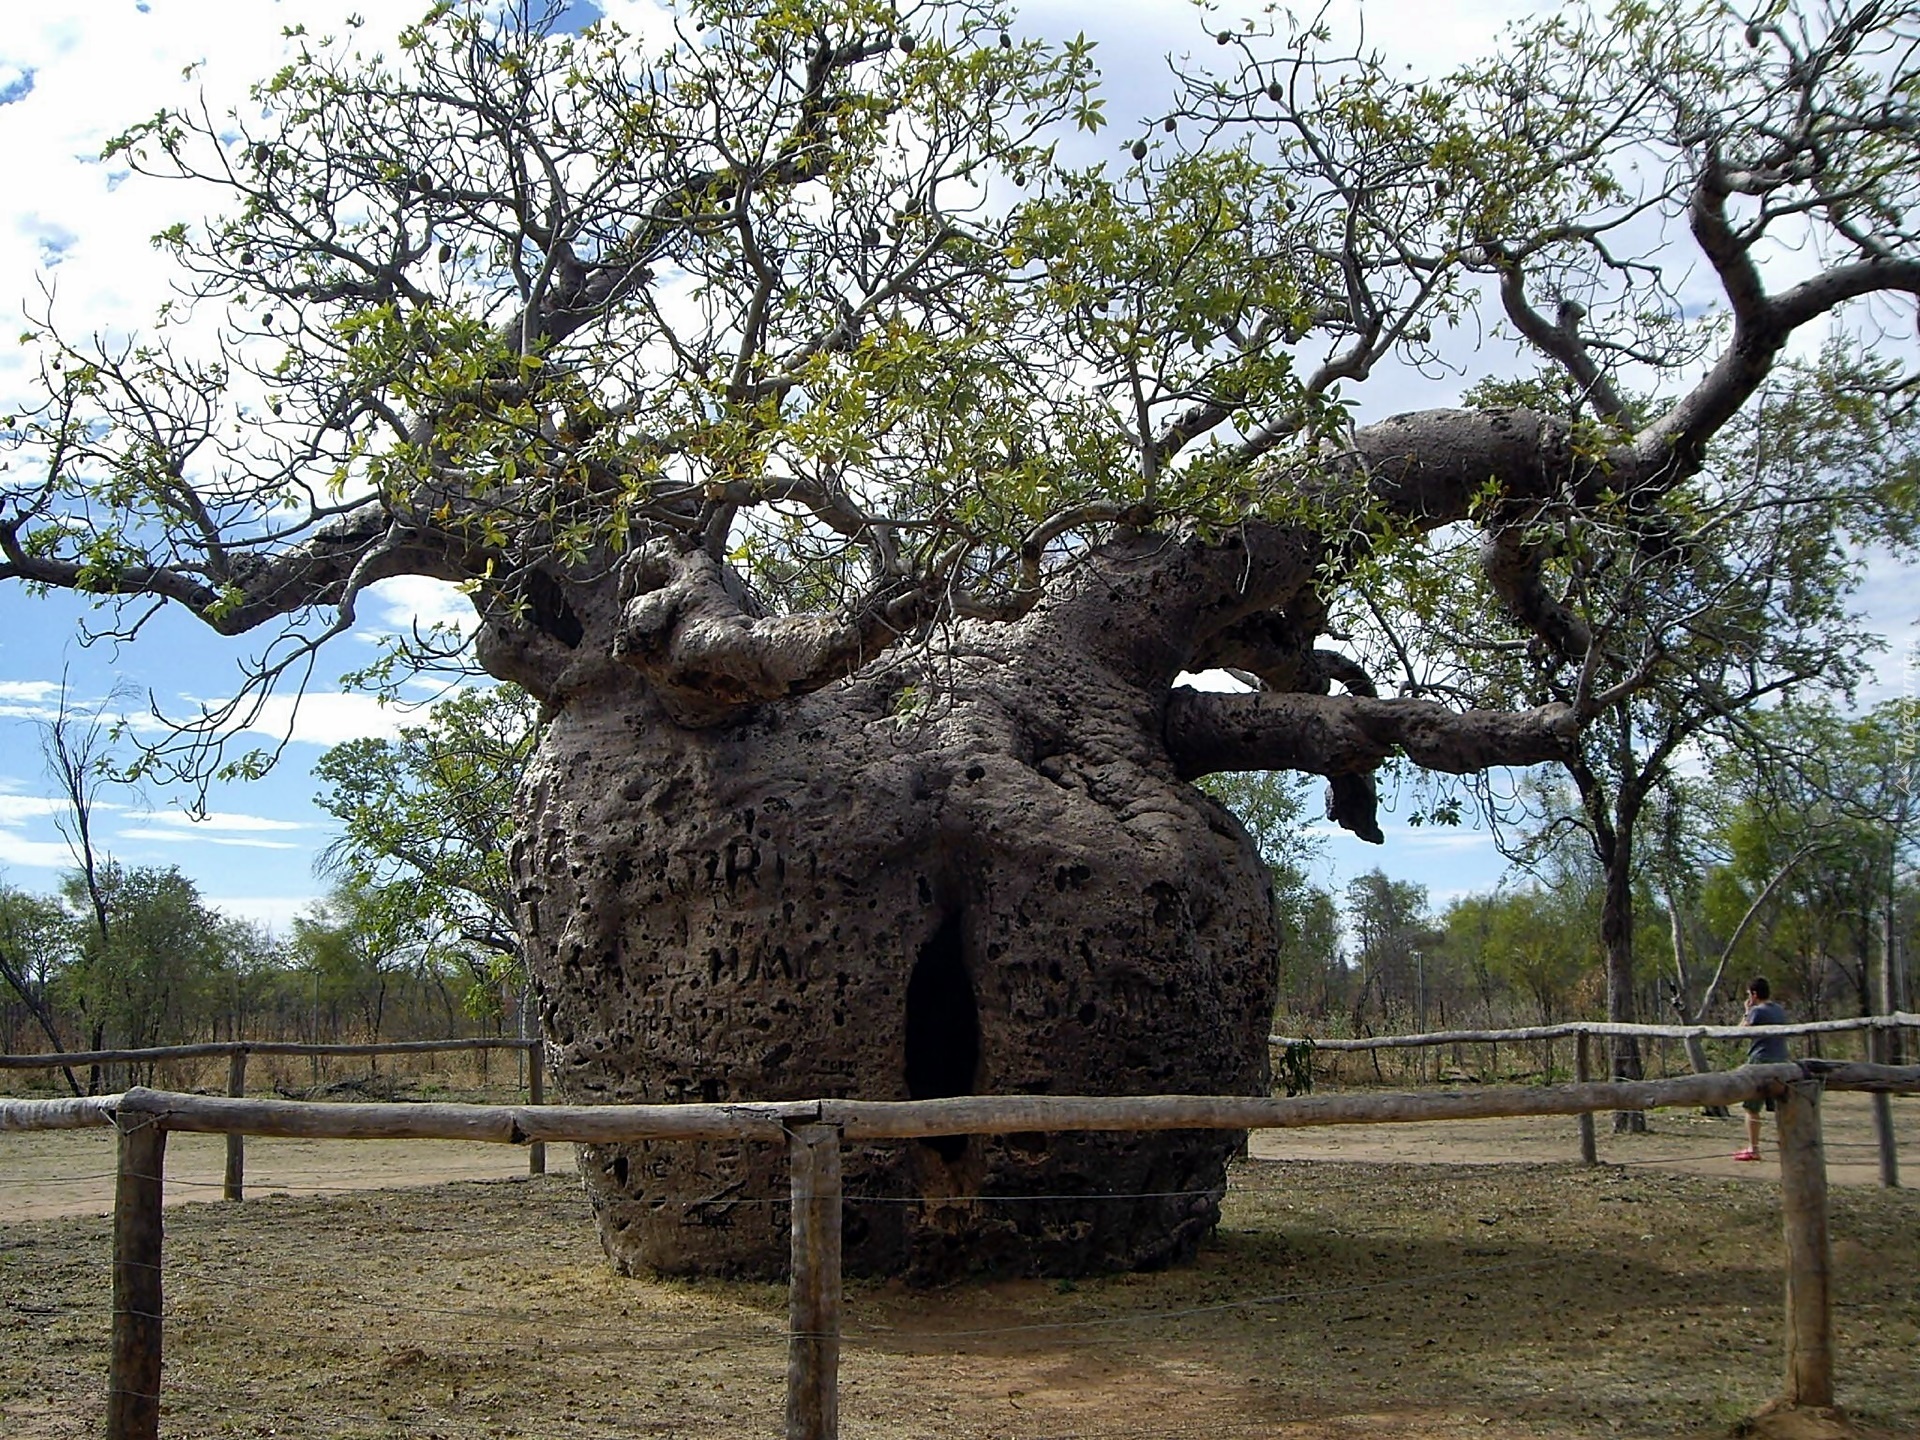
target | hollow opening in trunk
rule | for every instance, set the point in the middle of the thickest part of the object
(943, 1027)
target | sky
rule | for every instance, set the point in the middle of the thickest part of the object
(75, 232)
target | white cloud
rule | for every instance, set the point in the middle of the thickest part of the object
(1421, 837)
(328, 718)
(1217, 680)
(176, 827)
(410, 602)
(17, 809)
(29, 692)
(95, 70)
(34, 854)
(180, 822)
(171, 835)
(34, 700)
(276, 912)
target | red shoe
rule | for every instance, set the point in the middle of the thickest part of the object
(1746, 1154)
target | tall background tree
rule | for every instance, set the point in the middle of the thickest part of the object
(1736, 594)
(1273, 807)
(427, 818)
(1822, 807)
(35, 946)
(851, 482)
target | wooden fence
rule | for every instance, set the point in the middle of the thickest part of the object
(235, 1181)
(1898, 1020)
(814, 1132)
(1583, 1031)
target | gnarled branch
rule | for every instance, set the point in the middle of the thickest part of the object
(686, 625)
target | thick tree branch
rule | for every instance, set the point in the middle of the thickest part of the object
(1514, 566)
(1351, 734)
(1559, 339)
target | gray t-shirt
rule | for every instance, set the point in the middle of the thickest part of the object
(1767, 1049)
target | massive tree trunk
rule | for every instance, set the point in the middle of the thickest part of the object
(969, 872)
(1009, 892)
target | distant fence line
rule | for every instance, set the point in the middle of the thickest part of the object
(815, 1131)
(234, 1181)
(1899, 1020)
(237, 1052)
(1584, 1031)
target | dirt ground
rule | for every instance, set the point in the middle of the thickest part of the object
(1414, 1282)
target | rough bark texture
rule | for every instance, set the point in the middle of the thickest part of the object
(979, 875)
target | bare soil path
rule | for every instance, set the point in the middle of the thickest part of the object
(70, 1172)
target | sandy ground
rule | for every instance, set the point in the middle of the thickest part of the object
(70, 1172)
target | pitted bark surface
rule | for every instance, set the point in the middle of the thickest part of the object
(992, 882)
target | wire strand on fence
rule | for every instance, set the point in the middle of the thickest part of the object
(134, 1394)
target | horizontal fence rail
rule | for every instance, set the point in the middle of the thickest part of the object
(206, 1050)
(814, 1131)
(921, 1119)
(1583, 1032)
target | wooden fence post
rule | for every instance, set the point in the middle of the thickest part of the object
(236, 1177)
(813, 1304)
(537, 1095)
(1880, 1047)
(133, 1372)
(1583, 1072)
(1803, 1195)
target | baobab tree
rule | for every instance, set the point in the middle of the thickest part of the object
(852, 482)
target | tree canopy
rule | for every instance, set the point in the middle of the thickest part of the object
(851, 470)
(740, 355)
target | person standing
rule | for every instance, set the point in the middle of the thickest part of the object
(1761, 1050)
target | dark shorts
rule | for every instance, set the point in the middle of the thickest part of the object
(1754, 1107)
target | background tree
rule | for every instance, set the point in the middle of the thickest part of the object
(1393, 941)
(1837, 793)
(148, 955)
(428, 818)
(1539, 943)
(1273, 807)
(359, 941)
(77, 752)
(1735, 596)
(1314, 979)
(250, 963)
(850, 482)
(35, 946)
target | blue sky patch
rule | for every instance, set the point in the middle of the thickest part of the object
(17, 88)
(578, 16)
(53, 244)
